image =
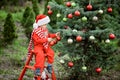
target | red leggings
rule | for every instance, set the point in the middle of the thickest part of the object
(40, 57)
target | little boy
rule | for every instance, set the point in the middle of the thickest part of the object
(41, 38)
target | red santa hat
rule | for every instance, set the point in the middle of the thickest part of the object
(41, 20)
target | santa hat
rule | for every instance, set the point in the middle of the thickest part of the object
(41, 20)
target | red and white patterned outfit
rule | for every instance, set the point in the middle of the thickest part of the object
(39, 39)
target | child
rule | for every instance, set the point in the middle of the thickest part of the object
(41, 38)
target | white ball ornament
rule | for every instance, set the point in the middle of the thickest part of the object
(92, 38)
(84, 68)
(95, 18)
(100, 11)
(62, 61)
(107, 41)
(74, 30)
(58, 15)
(70, 41)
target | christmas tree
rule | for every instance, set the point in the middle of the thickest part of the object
(35, 7)
(89, 30)
(9, 32)
(25, 15)
(29, 24)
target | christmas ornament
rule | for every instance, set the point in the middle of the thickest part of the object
(107, 41)
(100, 11)
(109, 9)
(98, 70)
(111, 36)
(62, 61)
(95, 18)
(77, 13)
(89, 7)
(84, 68)
(70, 41)
(78, 38)
(58, 15)
(58, 38)
(73, 4)
(52, 43)
(74, 30)
(48, 7)
(68, 4)
(91, 38)
(55, 41)
(50, 12)
(84, 19)
(64, 19)
(70, 16)
(70, 64)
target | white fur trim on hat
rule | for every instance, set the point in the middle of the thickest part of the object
(35, 25)
(43, 21)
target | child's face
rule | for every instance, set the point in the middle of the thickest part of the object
(44, 26)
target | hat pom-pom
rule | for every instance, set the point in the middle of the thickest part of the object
(35, 25)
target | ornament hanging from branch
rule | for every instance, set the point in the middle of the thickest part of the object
(68, 4)
(111, 36)
(89, 6)
(70, 64)
(73, 4)
(78, 38)
(95, 18)
(98, 70)
(58, 15)
(107, 41)
(70, 16)
(50, 12)
(84, 19)
(70, 41)
(100, 11)
(48, 7)
(109, 9)
(77, 13)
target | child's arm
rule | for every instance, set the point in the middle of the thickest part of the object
(37, 39)
(54, 35)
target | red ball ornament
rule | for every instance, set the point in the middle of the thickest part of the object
(109, 9)
(111, 36)
(50, 11)
(58, 38)
(70, 16)
(68, 4)
(52, 43)
(98, 70)
(48, 7)
(78, 38)
(77, 13)
(55, 41)
(89, 7)
(70, 64)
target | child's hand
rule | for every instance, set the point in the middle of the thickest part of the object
(58, 34)
(50, 39)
